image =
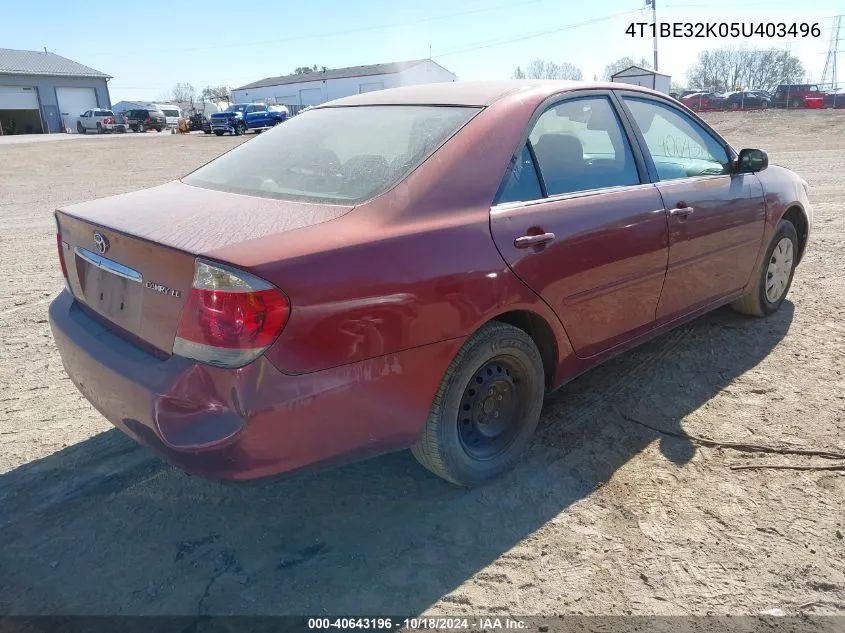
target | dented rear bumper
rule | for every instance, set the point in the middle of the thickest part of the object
(251, 422)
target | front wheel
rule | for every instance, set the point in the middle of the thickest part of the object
(240, 129)
(218, 132)
(775, 278)
(80, 129)
(486, 409)
(140, 128)
(795, 103)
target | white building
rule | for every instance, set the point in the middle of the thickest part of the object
(326, 85)
(639, 76)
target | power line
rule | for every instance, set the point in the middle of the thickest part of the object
(530, 35)
(363, 29)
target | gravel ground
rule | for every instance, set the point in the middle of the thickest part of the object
(647, 491)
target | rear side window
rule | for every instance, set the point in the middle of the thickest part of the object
(580, 145)
(334, 155)
(521, 183)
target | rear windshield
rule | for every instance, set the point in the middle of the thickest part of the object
(103, 113)
(171, 112)
(334, 155)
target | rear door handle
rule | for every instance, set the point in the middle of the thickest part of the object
(526, 241)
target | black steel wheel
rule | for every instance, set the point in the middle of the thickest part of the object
(492, 408)
(486, 409)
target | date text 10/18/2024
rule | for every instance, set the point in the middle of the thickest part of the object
(430, 624)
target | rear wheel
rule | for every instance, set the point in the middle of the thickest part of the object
(79, 128)
(775, 278)
(99, 128)
(218, 132)
(486, 409)
(795, 103)
(140, 128)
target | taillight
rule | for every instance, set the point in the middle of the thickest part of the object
(230, 316)
(61, 246)
(108, 120)
(149, 119)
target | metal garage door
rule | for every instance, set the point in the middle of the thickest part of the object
(311, 96)
(371, 87)
(75, 101)
(18, 98)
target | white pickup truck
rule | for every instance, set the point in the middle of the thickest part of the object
(99, 121)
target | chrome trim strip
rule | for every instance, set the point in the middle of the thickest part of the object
(108, 265)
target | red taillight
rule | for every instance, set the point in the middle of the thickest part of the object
(61, 245)
(230, 317)
(108, 119)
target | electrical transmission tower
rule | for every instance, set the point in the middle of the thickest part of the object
(829, 72)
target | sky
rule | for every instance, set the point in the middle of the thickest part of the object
(218, 42)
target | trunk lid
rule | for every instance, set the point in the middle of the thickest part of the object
(130, 258)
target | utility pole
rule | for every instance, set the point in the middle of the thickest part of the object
(829, 72)
(653, 5)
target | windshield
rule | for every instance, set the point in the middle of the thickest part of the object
(235, 108)
(335, 155)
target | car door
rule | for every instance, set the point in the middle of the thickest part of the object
(577, 220)
(716, 217)
(84, 119)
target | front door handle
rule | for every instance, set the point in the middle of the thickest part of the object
(682, 212)
(527, 241)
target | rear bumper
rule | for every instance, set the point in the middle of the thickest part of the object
(251, 422)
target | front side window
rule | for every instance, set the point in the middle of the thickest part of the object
(334, 155)
(679, 147)
(580, 145)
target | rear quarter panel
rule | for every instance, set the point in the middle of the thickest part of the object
(416, 265)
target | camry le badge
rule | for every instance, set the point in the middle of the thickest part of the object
(101, 242)
(152, 285)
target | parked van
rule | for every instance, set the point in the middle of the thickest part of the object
(171, 113)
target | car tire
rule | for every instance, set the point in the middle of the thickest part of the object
(79, 128)
(140, 129)
(497, 371)
(775, 278)
(218, 132)
(99, 128)
(795, 103)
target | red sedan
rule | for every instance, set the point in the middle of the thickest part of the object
(412, 268)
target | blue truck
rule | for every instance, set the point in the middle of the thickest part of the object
(240, 117)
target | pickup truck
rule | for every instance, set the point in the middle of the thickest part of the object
(99, 121)
(240, 117)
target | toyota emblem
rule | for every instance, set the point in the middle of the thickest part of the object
(101, 242)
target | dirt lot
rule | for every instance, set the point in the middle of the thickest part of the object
(629, 501)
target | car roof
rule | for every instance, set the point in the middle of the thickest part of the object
(473, 93)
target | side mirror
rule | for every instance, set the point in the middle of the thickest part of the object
(751, 160)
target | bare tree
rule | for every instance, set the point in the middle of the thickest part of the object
(540, 69)
(621, 64)
(215, 94)
(726, 69)
(184, 93)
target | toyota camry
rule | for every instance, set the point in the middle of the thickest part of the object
(412, 268)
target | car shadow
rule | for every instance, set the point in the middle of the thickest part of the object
(104, 528)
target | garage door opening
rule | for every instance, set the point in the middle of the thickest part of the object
(19, 110)
(21, 122)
